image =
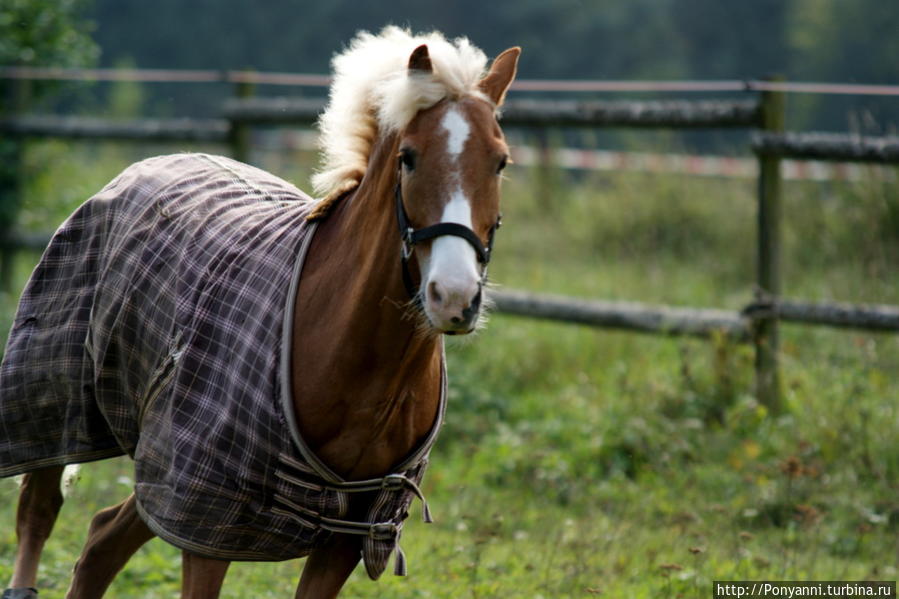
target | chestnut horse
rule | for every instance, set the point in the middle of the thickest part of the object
(414, 141)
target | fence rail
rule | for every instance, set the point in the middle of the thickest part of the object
(273, 111)
(827, 146)
(298, 111)
(290, 111)
(648, 114)
(13, 240)
(737, 326)
(757, 322)
(141, 130)
(631, 316)
(538, 113)
(869, 317)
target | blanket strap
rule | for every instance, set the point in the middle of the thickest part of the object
(391, 482)
(377, 531)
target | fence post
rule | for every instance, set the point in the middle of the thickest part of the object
(17, 94)
(240, 131)
(768, 279)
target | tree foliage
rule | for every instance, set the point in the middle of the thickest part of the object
(35, 33)
(45, 33)
(802, 40)
(700, 39)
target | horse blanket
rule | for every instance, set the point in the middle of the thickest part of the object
(157, 324)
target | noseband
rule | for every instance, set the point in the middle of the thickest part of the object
(411, 236)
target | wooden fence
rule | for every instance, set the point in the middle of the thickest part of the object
(763, 113)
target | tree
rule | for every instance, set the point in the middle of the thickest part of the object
(35, 33)
(45, 32)
(842, 41)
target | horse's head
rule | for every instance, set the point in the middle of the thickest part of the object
(451, 157)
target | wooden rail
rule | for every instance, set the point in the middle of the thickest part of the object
(679, 114)
(827, 146)
(869, 317)
(631, 316)
(737, 326)
(537, 113)
(274, 111)
(140, 130)
(12, 240)
(290, 111)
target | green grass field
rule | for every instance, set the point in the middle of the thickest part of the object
(578, 462)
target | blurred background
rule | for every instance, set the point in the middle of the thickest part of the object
(803, 40)
(576, 461)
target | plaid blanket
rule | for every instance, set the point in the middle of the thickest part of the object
(157, 324)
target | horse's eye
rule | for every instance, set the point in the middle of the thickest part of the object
(407, 158)
(502, 164)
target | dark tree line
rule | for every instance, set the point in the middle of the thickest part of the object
(825, 40)
(802, 40)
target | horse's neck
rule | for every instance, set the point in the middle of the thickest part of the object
(366, 383)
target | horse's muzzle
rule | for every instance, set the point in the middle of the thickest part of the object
(453, 311)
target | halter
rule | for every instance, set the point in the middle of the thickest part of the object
(411, 236)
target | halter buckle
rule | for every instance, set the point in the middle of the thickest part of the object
(407, 243)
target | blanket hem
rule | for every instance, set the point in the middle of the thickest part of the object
(63, 460)
(203, 550)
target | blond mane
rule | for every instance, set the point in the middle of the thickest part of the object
(372, 92)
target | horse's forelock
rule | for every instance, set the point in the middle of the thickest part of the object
(373, 92)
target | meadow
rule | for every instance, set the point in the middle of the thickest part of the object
(579, 462)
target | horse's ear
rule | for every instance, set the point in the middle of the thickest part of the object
(496, 83)
(420, 60)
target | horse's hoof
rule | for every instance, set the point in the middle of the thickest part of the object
(20, 593)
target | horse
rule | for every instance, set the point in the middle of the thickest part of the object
(144, 350)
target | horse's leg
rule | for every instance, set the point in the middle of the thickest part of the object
(114, 535)
(328, 568)
(201, 577)
(39, 501)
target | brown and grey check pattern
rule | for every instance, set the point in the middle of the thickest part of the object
(153, 326)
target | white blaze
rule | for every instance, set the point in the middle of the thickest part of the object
(453, 261)
(452, 258)
(457, 129)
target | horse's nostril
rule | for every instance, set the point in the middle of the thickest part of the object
(434, 293)
(472, 310)
(456, 320)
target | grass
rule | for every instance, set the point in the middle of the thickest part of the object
(579, 462)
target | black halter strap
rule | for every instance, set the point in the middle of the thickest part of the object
(411, 236)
